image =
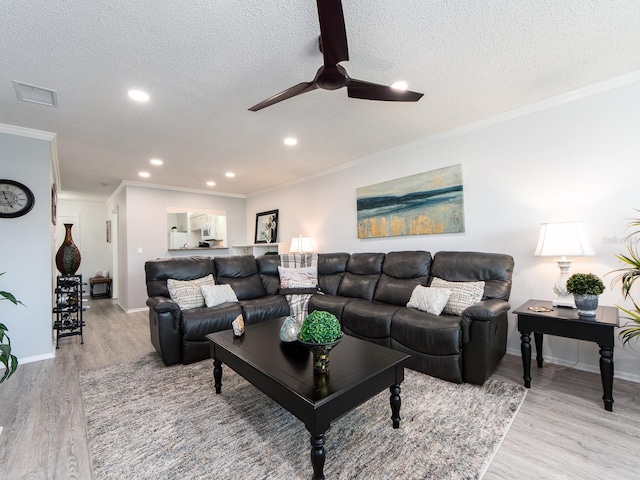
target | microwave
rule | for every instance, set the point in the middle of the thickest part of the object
(208, 233)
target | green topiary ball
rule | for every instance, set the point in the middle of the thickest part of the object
(320, 327)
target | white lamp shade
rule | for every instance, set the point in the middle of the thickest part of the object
(563, 239)
(301, 244)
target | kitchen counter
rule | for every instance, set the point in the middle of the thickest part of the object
(181, 249)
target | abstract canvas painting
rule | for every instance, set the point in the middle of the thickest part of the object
(422, 204)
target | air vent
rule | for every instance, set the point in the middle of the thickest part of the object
(34, 94)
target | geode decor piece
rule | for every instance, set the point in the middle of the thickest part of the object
(289, 330)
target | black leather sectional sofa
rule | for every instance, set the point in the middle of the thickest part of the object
(368, 292)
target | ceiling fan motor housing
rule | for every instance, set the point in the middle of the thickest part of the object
(331, 77)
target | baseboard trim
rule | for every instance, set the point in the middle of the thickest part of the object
(35, 358)
(134, 310)
(585, 367)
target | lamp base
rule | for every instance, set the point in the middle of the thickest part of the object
(563, 298)
(564, 301)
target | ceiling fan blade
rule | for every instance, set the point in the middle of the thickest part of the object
(373, 91)
(333, 35)
(288, 93)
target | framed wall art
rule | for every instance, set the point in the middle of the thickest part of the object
(423, 204)
(54, 203)
(267, 227)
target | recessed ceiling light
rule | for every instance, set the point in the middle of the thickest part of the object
(138, 95)
(211, 184)
(290, 141)
(144, 174)
(400, 85)
(156, 161)
(230, 174)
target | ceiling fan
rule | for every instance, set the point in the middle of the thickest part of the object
(331, 76)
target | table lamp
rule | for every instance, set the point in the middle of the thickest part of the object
(301, 244)
(560, 240)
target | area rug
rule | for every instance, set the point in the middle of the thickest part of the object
(148, 421)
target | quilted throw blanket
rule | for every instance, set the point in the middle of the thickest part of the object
(298, 271)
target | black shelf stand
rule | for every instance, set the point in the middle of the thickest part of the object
(68, 307)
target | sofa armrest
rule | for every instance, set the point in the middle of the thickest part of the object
(486, 309)
(164, 304)
(484, 337)
(165, 328)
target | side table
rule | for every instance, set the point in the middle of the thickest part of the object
(565, 322)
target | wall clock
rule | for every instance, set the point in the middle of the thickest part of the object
(16, 199)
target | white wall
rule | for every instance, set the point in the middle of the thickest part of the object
(558, 160)
(25, 243)
(89, 234)
(142, 223)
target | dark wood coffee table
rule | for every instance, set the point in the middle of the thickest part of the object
(358, 371)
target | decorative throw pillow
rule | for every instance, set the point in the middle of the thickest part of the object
(431, 300)
(464, 294)
(218, 294)
(306, 277)
(102, 274)
(186, 293)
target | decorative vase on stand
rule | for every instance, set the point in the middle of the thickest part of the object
(68, 256)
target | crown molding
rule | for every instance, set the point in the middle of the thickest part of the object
(27, 132)
(157, 186)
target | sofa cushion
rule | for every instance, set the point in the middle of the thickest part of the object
(330, 303)
(407, 264)
(268, 268)
(495, 269)
(198, 322)
(331, 269)
(264, 308)
(215, 295)
(401, 273)
(241, 272)
(187, 293)
(431, 300)
(303, 277)
(370, 320)
(362, 275)
(463, 294)
(427, 333)
(180, 268)
(246, 288)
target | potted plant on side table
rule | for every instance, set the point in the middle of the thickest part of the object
(586, 288)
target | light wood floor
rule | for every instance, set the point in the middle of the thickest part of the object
(561, 431)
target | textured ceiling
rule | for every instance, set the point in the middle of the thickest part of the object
(204, 63)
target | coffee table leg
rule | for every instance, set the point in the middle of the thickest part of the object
(217, 375)
(317, 456)
(606, 372)
(395, 401)
(525, 348)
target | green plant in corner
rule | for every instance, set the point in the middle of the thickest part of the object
(585, 284)
(627, 276)
(9, 361)
(320, 327)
